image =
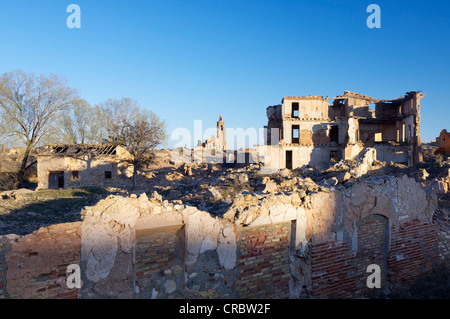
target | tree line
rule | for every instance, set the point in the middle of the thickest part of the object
(39, 110)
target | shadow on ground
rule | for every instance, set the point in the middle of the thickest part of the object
(29, 212)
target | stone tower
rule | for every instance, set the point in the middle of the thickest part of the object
(221, 131)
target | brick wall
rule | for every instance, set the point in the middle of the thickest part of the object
(372, 249)
(414, 249)
(332, 270)
(158, 250)
(37, 263)
(338, 272)
(264, 261)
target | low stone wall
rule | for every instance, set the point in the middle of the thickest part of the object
(285, 245)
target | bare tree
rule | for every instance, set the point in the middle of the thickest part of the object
(78, 124)
(138, 131)
(29, 106)
(115, 111)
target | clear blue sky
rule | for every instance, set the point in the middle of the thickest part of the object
(193, 60)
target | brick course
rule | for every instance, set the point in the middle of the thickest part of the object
(372, 249)
(332, 270)
(264, 261)
(414, 250)
(156, 251)
(338, 272)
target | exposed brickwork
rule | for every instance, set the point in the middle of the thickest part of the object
(155, 251)
(37, 263)
(332, 270)
(264, 261)
(337, 272)
(413, 250)
(372, 249)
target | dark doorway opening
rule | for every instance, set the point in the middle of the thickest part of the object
(289, 159)
(334, 134)
(56, 180)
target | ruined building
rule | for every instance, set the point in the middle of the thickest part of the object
(73, 166)
(311, 130)
(444, 142)
(266, 246)
(217, 142)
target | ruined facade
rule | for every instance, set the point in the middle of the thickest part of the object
(444, 142)
(74, 166)
(284, 245)
(312, 130)
(217, 142)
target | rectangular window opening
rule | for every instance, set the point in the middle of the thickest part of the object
(295, 134)
(75, 175)
(403, 133)
(378, 137)
(108, 174)
(295, 110)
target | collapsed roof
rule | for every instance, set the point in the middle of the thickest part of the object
(79, 149)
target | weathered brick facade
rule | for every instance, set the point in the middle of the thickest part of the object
(37, 263)
(414, 249)
(292, 248)
(34, 266)
(264, 261)
(373, 237)
(337, 271)
(332, 271)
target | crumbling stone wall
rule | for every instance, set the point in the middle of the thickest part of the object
(299, 244)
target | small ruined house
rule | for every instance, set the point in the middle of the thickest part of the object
(77, 166)
(312, 130)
